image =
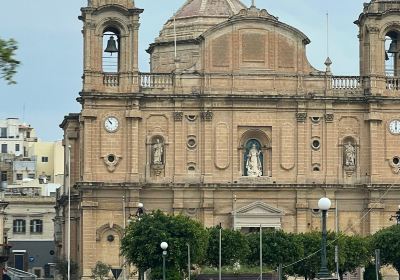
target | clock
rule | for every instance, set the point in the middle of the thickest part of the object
(111, 124)
(394, 127)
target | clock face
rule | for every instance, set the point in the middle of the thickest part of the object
(111, 124)
(394, 127)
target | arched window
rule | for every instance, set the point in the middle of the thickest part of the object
(392, 53)
(253, 159)
(111, 50)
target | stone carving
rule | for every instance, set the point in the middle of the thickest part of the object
(206, 115)
(158, 151)
(111, 161)
(350, 155)
(178, 116)
(253, 162)
(301, 117)
(329, 117)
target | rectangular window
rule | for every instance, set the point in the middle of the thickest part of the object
(19, 176)
(4, 176)
(45, 159)
(31, 176)
(17, 147)
(36, 226)
(3, 132)
(19, 226)
(4, 148)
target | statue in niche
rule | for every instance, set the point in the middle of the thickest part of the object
(350, 155)
(253, 163)
(158, 150)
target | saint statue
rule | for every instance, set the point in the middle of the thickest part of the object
(158, 151)
(350, 155)
(253, 163)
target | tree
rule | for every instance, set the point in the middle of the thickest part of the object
(234, 247)
(354, 252)
(388, 241)
(101, 271)
(310, 262)
(8, 64)
(278, 247)
(62, 268)
(141, 243)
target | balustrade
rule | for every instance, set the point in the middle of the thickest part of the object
(346, 82)
(155, 80)
(111, 79)
(393, 83)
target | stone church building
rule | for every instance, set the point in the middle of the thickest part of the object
(232, 125)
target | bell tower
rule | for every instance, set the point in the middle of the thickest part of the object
(379, 36)
(110, 51)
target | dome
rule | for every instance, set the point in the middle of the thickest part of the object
(209, 8)
(197, 16)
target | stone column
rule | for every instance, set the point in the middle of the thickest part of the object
(331, 161)
(301, 146)
(88, 119)
(207, 117)
(133, 118)
(179, 150)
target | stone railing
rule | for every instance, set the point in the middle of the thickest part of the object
(156, 80)
(111, 79)
(346, 82)
(393, 83)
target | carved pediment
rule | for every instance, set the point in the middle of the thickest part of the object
(259, 208)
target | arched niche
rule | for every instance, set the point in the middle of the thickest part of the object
(250, 141)
(349, 154)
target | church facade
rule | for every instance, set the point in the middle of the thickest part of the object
(232, 125)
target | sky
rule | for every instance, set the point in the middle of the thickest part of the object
(49, 36)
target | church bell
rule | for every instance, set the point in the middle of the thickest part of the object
(111, 46)
(392, 47)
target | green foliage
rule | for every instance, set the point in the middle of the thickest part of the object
(141, 243)
(171, 273)
(311, 243)
(234, 247)
(8, 64)
(370, 272)
(62, 268)
(388, 241)
(354, 251)
(278, 247)
(101, 271)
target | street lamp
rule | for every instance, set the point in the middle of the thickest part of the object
(324, 204)
(397, 216)
(164, 246)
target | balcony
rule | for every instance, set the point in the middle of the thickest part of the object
(255, 84)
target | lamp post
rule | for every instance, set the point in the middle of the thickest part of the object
(324, 204)
(164, 246)
(396, 216)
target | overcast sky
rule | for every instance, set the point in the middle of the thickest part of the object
(50, 48)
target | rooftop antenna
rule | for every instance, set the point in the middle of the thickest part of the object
(328, 61)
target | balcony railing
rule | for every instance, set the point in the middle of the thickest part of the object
(111, 79)
(156, 80)
(393, 83)
(346, 82)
